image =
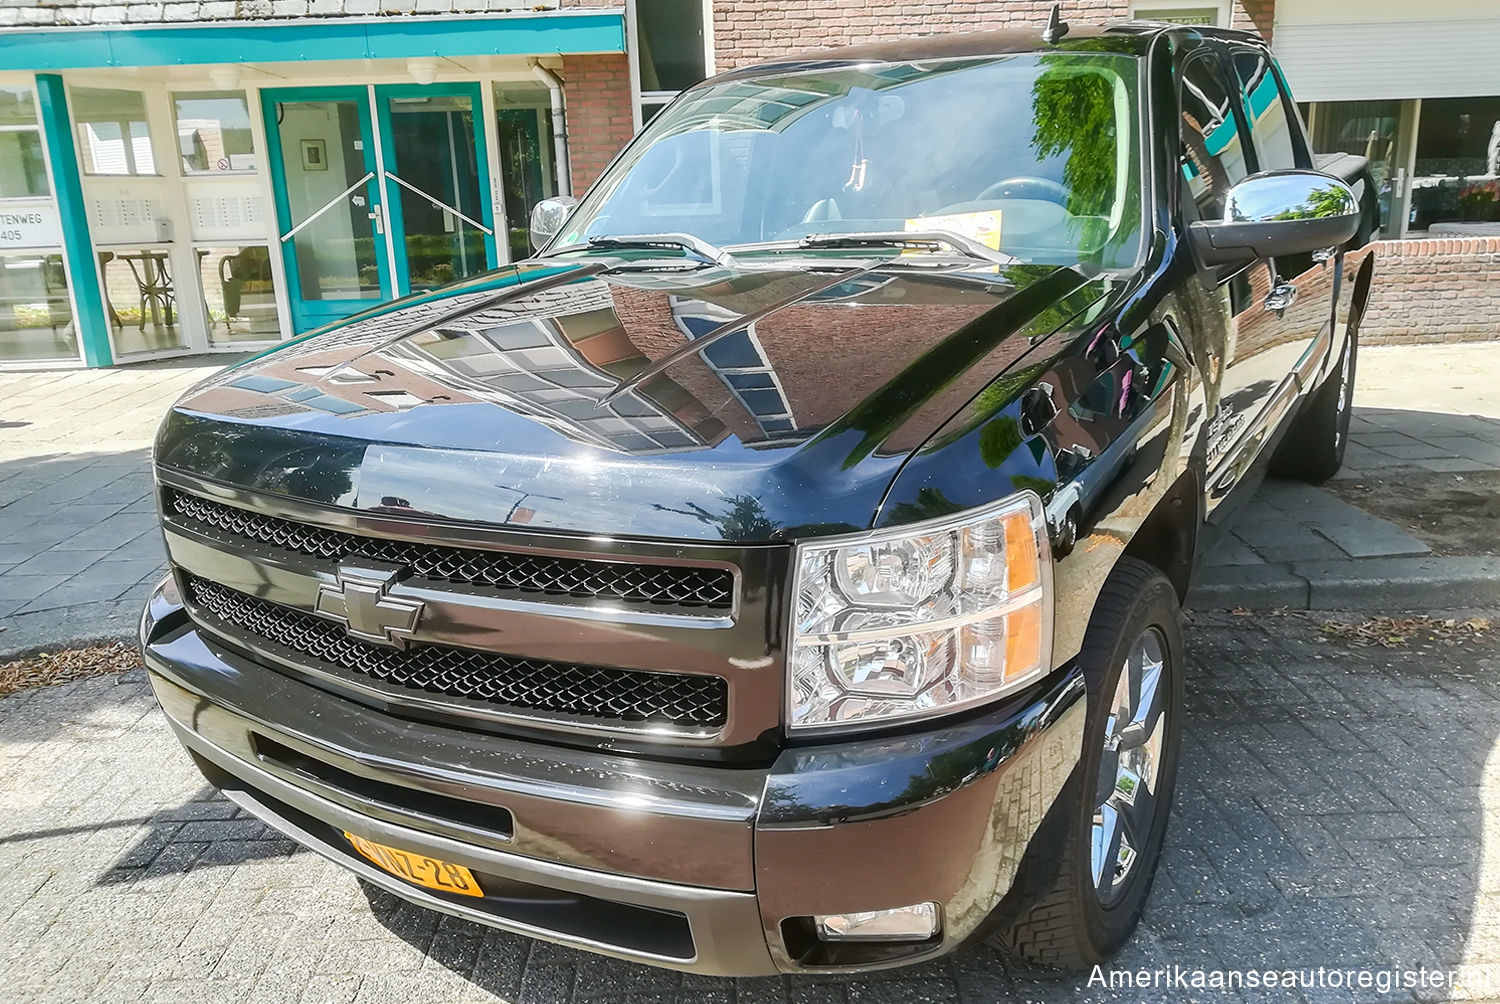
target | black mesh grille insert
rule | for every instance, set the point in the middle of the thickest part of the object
(507, 682)
(691, 590)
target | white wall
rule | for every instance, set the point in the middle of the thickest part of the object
(1348, 50)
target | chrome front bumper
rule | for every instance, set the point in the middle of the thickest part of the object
(698, 867)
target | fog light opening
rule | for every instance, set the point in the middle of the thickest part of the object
(902, 924)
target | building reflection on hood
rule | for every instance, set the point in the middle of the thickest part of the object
(555, 354)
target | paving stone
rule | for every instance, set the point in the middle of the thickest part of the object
(1368, 537)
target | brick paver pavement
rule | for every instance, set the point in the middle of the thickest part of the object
(1336, 808)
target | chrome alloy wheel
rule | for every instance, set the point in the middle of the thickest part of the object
(1125, 802)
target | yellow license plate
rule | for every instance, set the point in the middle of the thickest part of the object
(444, 876)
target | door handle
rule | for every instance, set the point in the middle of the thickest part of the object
(379, 219)
(1281, 296)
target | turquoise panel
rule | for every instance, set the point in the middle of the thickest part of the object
(78, 248)
(313, 39)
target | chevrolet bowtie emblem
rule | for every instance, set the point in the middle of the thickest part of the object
(361, 603)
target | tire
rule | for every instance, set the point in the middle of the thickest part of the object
(1314, 445)
(1071, 921)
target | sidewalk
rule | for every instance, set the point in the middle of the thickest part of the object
(1426, 415)
(79, 546)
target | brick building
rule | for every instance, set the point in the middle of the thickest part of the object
(184, 176)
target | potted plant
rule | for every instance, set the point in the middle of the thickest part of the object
(1480, 202)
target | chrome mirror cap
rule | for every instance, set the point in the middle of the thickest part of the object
(1275, 196)
(548, 217)
(1278, 213)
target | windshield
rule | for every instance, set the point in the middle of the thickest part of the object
(1035, 155)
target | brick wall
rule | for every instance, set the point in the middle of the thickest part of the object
(746, 31)
(599, 114)
(1445, 290)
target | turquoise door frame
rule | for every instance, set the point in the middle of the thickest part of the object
(394, 274)
(311, 313)
(384, 93)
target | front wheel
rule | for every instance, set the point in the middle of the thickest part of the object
(1132, 662)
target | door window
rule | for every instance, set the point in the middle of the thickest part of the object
(434, 168)
(1213, 156)
(326, 174)
(1271, 129)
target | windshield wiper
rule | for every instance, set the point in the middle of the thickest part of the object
(928, 239)
(686, 242)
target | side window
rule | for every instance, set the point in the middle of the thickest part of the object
(1213, 156)
(1266, 111)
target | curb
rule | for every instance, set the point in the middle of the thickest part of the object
(1384, 584)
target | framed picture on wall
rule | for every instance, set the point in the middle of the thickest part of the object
(314, 155)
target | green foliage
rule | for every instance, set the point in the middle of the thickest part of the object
(1074, 112)
(998, 439)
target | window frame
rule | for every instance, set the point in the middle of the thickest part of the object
(34, 127)
(1215, 57)
(1296, 127)
(172, 97)
(1224, 8)
(639, 99)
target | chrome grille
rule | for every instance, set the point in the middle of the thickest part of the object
(686, 588)
(629, 697)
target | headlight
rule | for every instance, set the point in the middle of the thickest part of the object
(922, 619)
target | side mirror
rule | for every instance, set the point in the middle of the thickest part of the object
(1278, 213)
(548, 217)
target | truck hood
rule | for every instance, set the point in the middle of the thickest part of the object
(491, 400)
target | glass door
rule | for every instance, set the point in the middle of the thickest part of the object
(325, 175)
(437, 184)
(380, 191)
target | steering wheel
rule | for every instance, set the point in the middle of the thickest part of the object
(1026, 187)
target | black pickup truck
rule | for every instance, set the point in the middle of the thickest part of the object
(780, 571)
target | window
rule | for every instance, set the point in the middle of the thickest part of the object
(528, 168)
(1213, 158)
(1212, 15)
(1266, 110)
(141, 299)
(113, 137)
(36, 317)
(1370, 129)
(213, 132)
(23, 169)
(239, 293)
(1456, 181)
(670, 50)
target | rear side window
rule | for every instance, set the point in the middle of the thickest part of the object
(1265, 110)
(1213, 156)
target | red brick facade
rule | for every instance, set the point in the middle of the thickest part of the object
(599, 113)
(1441, 290)
(747, 31)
